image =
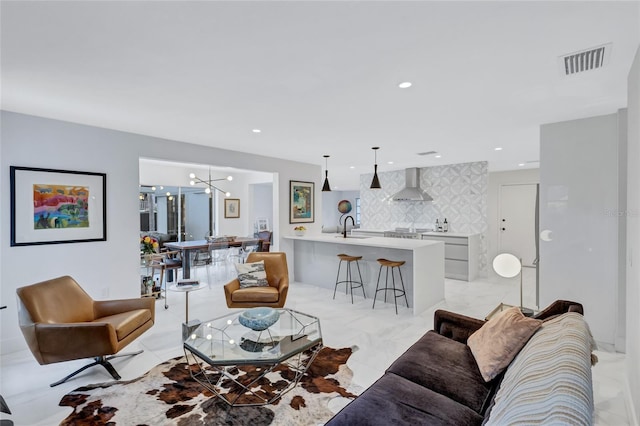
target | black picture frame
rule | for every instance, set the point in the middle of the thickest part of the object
(78, 215)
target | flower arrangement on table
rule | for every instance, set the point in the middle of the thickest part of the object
(148, 245)
(299, 230)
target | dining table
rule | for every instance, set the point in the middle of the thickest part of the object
(189, 247)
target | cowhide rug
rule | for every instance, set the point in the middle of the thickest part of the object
(167, 395)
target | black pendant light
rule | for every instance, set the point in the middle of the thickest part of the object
(375, 183)
(326, 187)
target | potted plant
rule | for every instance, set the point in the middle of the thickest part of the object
(299, 230)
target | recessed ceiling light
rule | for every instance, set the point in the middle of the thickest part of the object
(404, 85)
(256, 130)
(521, 165)
(389, 162)
(438, 156)
(352, 167)
(498, 148)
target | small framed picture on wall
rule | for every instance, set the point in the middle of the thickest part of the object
(262, 224)
(231, 208)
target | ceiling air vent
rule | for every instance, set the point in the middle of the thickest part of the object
(427, 153)
(585, 60)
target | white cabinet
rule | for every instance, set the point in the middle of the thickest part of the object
(461, 254)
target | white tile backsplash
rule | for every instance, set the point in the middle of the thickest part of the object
(459, 194)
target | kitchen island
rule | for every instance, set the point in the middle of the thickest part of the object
(316, 262)
(461, 249)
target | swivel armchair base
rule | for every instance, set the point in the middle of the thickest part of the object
(99, 360)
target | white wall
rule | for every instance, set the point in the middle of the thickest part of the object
(633, 238)
(239, 227)
(459, 193)
(154, 172)
(579, 204)
(39, 142)
(261, 197)
(621, 311)
(495, 180)
(330, 214)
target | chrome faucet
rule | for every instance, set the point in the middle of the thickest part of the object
(353, 222)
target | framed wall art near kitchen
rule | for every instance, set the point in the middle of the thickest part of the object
(50, 206)
(301, 205)
(231, 208)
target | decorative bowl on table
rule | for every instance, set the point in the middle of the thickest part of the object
(259, 319)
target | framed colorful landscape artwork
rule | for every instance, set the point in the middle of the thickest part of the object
(301, 203)
(51, 206)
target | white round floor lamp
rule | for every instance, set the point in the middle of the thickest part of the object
(508, 266)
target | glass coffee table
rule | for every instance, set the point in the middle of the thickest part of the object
(233, 361)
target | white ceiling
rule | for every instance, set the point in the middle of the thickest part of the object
(320, 77)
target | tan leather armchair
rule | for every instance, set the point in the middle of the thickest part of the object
(274, 295)
(61, 322)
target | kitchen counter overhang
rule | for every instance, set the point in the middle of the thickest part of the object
(315, 262)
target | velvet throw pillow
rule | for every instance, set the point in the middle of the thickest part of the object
(500, 339)
(252, 274)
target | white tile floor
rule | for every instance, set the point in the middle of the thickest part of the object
(379, 335)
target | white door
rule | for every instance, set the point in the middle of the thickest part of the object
(516, 221)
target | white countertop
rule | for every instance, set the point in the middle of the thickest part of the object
(393, 243)
(433, 234)
(380, 231)
(448, 234)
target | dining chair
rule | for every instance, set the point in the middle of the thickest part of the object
(170, 261)
(220, 252)
(249, 247)
(265, 240)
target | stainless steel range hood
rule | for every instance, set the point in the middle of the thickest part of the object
(412, 190)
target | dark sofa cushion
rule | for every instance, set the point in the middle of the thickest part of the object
(446, 367)
(393, 400)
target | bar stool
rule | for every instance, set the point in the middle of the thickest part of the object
(349, 282)
(396, 291)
